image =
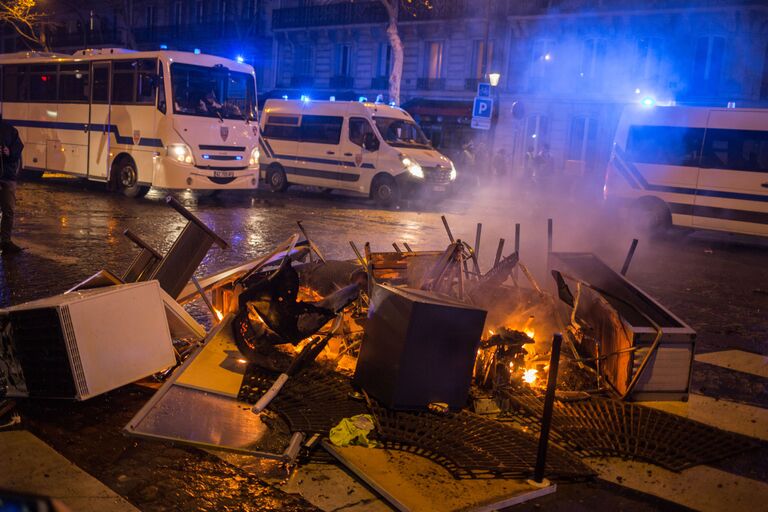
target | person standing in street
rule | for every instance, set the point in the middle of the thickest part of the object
(10, 161)
(500, 164)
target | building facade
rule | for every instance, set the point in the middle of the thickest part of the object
(568, 67)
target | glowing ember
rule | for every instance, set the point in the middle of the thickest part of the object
(219, 314)
(511, 366)
(530, 333)
(242, 361)
(530, 375)
(490, 332)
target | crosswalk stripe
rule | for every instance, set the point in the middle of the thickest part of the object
(732, 416)
(702, 487)
(738, 360)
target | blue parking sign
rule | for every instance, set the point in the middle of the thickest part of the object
(483, 108)
(483, 90)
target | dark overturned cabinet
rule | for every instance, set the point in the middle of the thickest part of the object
(625, 321)
(419, 348)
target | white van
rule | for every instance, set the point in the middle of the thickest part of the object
(692, 166)
(368, 148)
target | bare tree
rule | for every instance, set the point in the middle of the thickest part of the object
(27, 19)
(393, 34)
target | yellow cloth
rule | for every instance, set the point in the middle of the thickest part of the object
(353, 431)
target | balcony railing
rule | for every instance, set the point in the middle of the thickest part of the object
(380, 82)
(332, 14)
(470, 84)
(193, 34)
(431, 84)
(342, 82)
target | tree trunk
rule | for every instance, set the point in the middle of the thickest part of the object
(396, 74)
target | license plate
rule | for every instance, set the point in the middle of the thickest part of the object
(223, 174)
(438, 188)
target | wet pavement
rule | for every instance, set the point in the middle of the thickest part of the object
(716, 283)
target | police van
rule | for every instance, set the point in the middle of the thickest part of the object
(697, 167)
(368, 148)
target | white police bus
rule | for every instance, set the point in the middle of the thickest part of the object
(134, 120)
(698, 167)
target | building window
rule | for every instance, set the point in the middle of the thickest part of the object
(343, 59)
(481, 59)
(149, 16)
(648, 58)
(199, 12)
(541, 57)
(176, 14)
(592, 57)
(433, 63)
(582, 143)
(302, 60)
(536, 130)
(708, 62)
(384, 61)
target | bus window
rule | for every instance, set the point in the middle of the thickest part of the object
(321, 129)
(358, 128)
(739, 150)
(123, 74)
(73, 83)
(14, 83)
(282, 128)
(161, 91)
(212, 92)
(145, 83)
(100, 84)
(665, 145)
(42, 83)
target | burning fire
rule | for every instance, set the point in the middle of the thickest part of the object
(530, 375)
(219, 314)
(530, 333)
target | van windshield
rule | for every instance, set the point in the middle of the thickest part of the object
(401, 133)
(212, 92)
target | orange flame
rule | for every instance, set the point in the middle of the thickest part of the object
(218, 313)
(530, 375)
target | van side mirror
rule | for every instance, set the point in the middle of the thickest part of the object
(370, 142)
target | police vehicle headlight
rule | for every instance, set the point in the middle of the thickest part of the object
(453, 172)
(254, 160)
(413, 167)
(180, 153)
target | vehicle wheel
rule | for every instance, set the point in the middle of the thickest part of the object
(651, 217)
(384, 190)
(277, 179)
(126, 178)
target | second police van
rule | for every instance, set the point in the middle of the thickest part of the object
(699, 167)
(368, 148)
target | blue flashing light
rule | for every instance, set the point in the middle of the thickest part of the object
(285, 96)
(392, 103)
(163, 46)
(238, 157)
(305, 98)
(380, 98)
(332, 98)
(239, 59)
(648, 102)
(197, 51)
(207, 157)
(362, 99)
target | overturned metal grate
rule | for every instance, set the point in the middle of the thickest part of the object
(312, 402)
(600, 427)
(470, 446)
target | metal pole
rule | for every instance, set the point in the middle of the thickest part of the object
(447, 228)
(204, 296)
(499, 250)
(517, 245)
(628, 259)
(549, 236)
(549, 401)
